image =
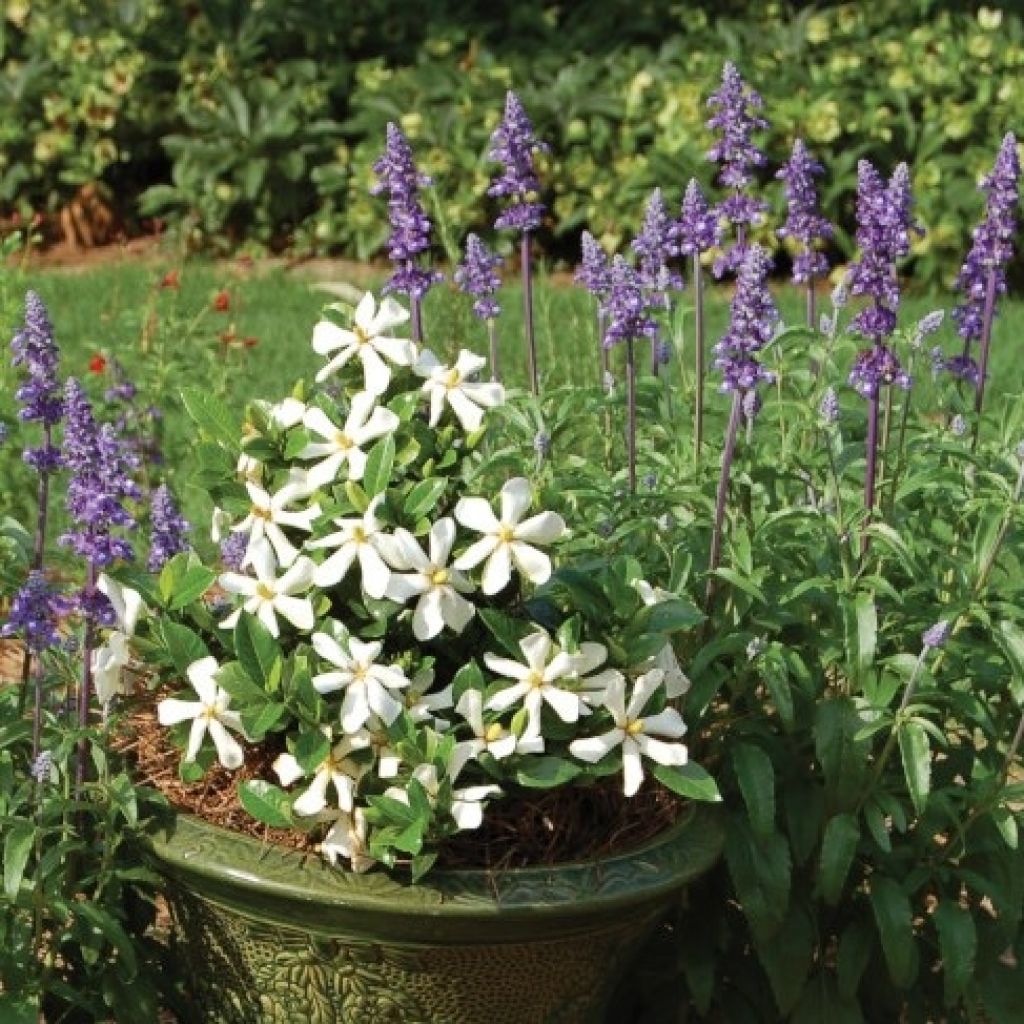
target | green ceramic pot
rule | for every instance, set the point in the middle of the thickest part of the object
(271, 936)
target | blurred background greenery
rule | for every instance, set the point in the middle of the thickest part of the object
(257, 123)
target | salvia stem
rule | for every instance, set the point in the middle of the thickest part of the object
(883, 446)
(811, 311)
(698, 405)
(872, 466)
(986, 339)
(728, 453)
(605, 359)
(531, 343)
(417, 318)
(492, 341)
(631, 413)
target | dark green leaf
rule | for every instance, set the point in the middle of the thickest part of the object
(894, 920)
(507, 631)
(673, 615)
(266, 803)
(311, 750)
(196, 580)
(19, 1009)
(855, 947)
(756, 778)
(867, 633)
(958, 945)
(183, 645)
(786, 958)
(838, 846)
(238, 684)
(842, 757)
(423, 497)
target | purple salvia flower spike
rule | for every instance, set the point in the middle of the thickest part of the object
(233, 550)
(699, 227)
(736, 118)
(804, 224)
(34, 614)
(594, 272)
(626, 309)
(654, 247)
(399, 179)
(33, 348)
(513, 145)
(169, 535)
(478, 276)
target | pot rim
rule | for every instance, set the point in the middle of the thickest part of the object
(219, 861)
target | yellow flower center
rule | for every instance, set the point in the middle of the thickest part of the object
(453, 379)
(506, 534)
(360, 673)
(262, 513)
(209, 712)
(362, 338)
(535, 679)
(264, 591)
(342, 441)
(439, 577)
(359, 535)
(634, 727)
(493, 732)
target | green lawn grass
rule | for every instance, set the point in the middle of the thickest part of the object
(172, 337)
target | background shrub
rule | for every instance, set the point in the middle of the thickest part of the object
(261, 121)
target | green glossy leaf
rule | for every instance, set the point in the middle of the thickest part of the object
(546, 772)
(266, 802)
(841, 755)
(756, 778)
(423, 497)
(1010, 638)
(379, 464)
(244, 692)
(761, 871)
(183, 645)
(196, 580)
(256, 648)
(786, 958)
(17, 848)
(894, 920)
(867, 633)
(838, 846)
(958, 946)
(856, 945)
(688, 780)
(916, 754)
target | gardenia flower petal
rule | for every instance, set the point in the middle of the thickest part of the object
(108, 663)
(593, 748)
(347, 838)
(127, 603)
(287, 768)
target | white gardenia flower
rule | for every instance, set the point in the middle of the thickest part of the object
(367, 340)
(374, 736)
(420, 705)
(593, 689)
(343, 445)
(337, 769)
(367, 685)
(209, 714)
(508, 541)
(451, 384)
(220, 525)
(638, 736)
(269, 513)
(467, 808)
(542, 679)
(438, 587)
(677, 682)
(110, 659)
(347, 838)
(269, 595)
(360, 539)
(249, 469)
(494, 738)
(287, 413)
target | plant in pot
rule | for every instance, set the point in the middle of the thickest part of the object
(462, 733)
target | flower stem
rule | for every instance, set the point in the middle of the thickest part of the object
(872, 466)
(605, 360)
(698, 404)
(723, 489)
(811, 312)
(417, 318)
(531, 342)
(492, 341)
(986, 339)
(631, 413)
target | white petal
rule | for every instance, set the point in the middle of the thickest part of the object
(335, 568)
(437, 393)
(329, 682)
(383, 704)
(127, 602)
(260, 555)
(265, 613)
(468, 363)
(497, 571)
(389, 314)
(330, 650)
(285, 550)
(297, 610)
(287, 768)
(593, 748)
(531, 562)
(314, 800)
(376, 374)
(320, 423)
(398, 350)
(505, 666)
(643, 689)
(229, 751)
(298, 578)
(356, 458)
(615, 701)
(516, 497)
(504, 699)
(485, 394)
(543, 528)
(201, 674)
(455, 609)
(329, 337)
(427, 620)
(536, 647)
(355, 708)
(470, 416)
(426, 363)
(375, 574)
(172, 711)
(402, 551)
(402, 588)
(476, 514)
(195, 738)
(667, 723)
(632, 769)
(566, 704)
(476, 553)
(663, 753)
(467, 815)
(471, 707)
(588, 657)
(442, 537)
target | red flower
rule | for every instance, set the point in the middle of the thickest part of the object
(222, 301)
(172, 279)
(98, 364)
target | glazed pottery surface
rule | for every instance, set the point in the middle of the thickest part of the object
(268, 934)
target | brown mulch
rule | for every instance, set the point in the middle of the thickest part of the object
(529, 828)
